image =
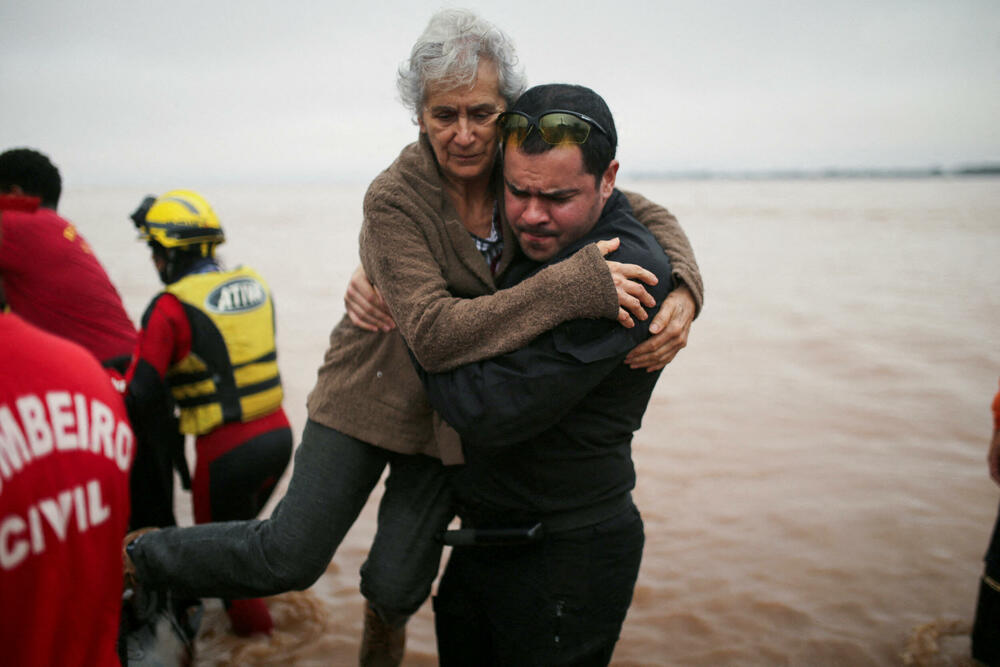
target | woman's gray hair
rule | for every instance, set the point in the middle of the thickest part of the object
(448, 53)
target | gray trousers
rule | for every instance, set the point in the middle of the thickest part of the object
(333, 476)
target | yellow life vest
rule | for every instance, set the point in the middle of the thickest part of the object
(231, 373)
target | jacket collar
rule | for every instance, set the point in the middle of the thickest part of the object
(25, 203)
(418, 168)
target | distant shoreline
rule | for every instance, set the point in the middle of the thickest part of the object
(989, 170)
(817, 174)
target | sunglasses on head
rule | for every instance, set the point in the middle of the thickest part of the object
(555, 126)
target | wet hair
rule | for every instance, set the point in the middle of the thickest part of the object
(448, 54)
(599, 149)
(33, 172)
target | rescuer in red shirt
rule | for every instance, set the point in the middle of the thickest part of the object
(66, 447)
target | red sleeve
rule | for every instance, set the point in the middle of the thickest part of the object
(165, 337)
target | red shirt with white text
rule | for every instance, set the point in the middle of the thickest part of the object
(66, 448)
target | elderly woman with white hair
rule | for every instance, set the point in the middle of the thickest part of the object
(433, 240)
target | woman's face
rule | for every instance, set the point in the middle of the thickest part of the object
(461, 125)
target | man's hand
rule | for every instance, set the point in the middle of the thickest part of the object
(994, 457)
(365, 305)
(632, 296)
(669, 332)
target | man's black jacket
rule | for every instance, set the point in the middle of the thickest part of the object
(548, 428)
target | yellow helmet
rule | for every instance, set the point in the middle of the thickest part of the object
(179, 219)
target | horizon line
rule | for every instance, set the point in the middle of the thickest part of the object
(983, 169)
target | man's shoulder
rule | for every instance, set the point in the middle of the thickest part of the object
(29, 236)
(638, 245)
(243, 271)
(167, 304)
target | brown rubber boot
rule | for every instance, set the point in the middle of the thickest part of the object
(382, 645)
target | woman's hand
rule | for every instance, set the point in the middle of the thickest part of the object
(632, 296)
(669, 332)
(365, 305)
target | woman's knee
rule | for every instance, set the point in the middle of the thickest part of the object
(292, 557)
(398, 592)
(296, 566)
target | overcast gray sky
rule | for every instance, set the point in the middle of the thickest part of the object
(159, 93)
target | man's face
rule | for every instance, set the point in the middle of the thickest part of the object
(550, 200)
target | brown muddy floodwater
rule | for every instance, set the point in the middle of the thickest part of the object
(811, 469)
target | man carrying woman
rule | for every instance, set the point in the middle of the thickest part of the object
(433, 242)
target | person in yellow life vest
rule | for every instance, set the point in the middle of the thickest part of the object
(209, 340)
